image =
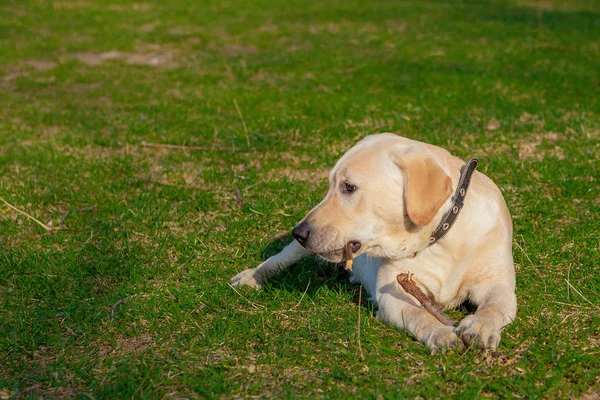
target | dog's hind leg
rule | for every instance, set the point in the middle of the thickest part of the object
(255, 277)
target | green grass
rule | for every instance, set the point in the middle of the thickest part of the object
(514, 83)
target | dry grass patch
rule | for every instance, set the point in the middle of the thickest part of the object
(69, 5)
(530, 149)
(268, 28)
(233, 50)
(41, 65)
(293, 174)
(124, 346)
(153, 59)
(127, 7)
(169, 230)
(372, 125)
(330, 27)
(24, 69)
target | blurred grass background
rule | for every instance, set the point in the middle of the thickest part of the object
(91, 94)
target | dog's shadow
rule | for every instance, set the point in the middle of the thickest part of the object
(309, 274)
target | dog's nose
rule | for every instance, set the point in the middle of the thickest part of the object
(301, 232)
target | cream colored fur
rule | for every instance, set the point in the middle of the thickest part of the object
(403, 188)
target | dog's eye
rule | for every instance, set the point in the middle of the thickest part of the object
(348, 187)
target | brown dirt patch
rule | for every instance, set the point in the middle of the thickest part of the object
(38, 390)
(19, 12)
(330, 27)
(12, 73)
(148, 27)
(65, 5)
(41, 65)
(134, 6)
(593, 392)
(268, 28)
(125, 345)
(178, 31)
(529, 149)
(299, 47)
(77, 38)
(233, 50)
(84, 87)
(396, 26)
(92, 58)
(493, 124)
(130, 345)
(323, 88)
(24, 69)
(153, 59)
(531, 119)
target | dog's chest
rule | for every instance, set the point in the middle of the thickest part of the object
(440, 274)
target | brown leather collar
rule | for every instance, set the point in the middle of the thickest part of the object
(457, 201)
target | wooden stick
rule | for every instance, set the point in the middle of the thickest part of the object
(405, 280)
(348, 255)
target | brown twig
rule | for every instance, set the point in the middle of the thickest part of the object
(40, 223)
(253, 304)
(238, 197)
(362, 355)
(113, 308)
(243, 122)
(65, 215)
(405, 280)
(348, 256)
(60, 222)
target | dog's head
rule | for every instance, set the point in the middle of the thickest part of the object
(383, 195)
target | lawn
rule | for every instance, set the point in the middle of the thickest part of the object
(163, 147)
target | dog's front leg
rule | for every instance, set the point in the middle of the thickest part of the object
(497, 307)
(401, 310)
(255, 277)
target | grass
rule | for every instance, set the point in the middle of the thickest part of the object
(271, 94)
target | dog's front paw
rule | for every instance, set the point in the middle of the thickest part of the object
(479, 332)
(250, 277)
(442, 339)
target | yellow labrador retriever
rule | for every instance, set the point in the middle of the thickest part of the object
(407, 206)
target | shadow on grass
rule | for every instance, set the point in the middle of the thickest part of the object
(309, 274)
(543, 15)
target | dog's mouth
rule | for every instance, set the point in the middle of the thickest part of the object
(340, 255)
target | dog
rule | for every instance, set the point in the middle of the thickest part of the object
(391, 199)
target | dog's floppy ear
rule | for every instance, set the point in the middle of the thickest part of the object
(427, 186)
